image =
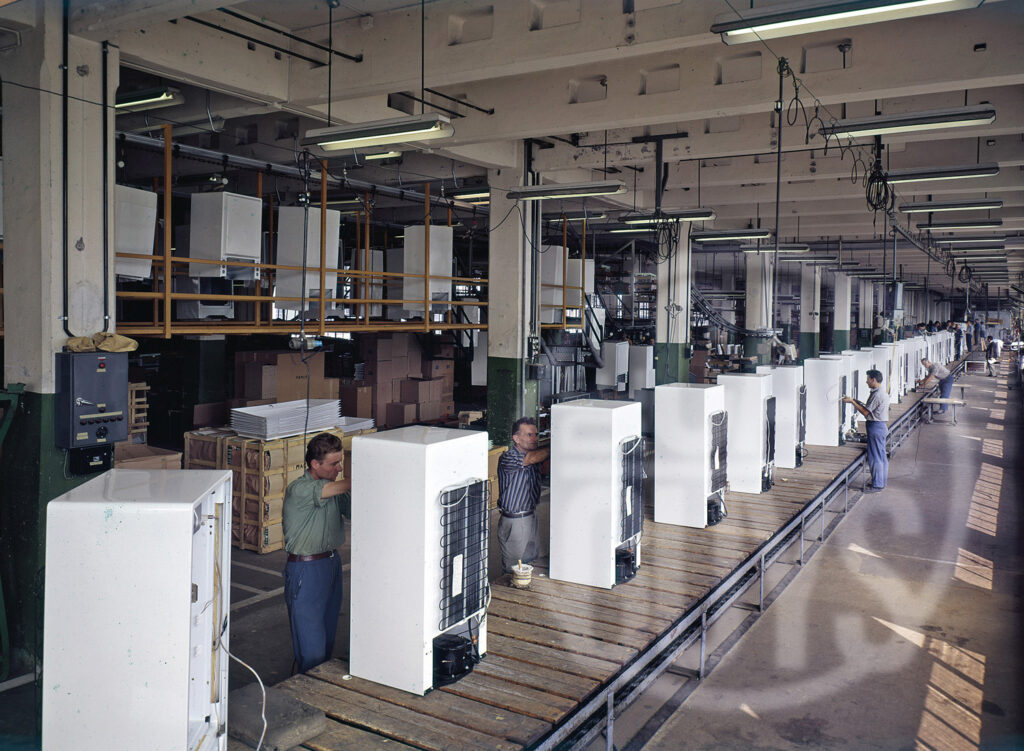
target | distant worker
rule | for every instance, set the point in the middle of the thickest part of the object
(519, 471)
(941, 374)
(313, 532)
(876, 413)
(979, 334)
(991, 356)
(921, 328)
(957, 338)
(968, 334)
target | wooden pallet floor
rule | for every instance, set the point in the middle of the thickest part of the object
(552, 647)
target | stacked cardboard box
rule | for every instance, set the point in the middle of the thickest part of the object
(261, 472)
(492, 475)
(443, 369)
(264, 377)
(129, 455)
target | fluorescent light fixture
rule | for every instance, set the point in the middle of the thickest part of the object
(671, 215)
(792, 248)
(928, 174)
(880, 125)
(481, 203)
(930, 206)
(342, 201)
(469, 195)
(425, 127)
(630, 230)
(577, 190)
(786, 19)
(951, 226)
(148, 99)
(575, 216)
(968, 250)
(807, 259)
(382, 155)
(730, 234)
(966, 239)
(973, 259)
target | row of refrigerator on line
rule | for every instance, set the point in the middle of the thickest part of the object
(419, 589)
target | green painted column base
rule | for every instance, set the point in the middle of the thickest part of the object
(504, 389)
(808, 345)
(759, 347)
(840, 340)
(34, 473)
(671, 364)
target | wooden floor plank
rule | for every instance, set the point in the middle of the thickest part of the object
(547, 637)
(383, 718)
(517, 728)
(573, 624)
(340, 737)
(583, 666)
(522, 673)
(589, 610)
(511, 697)
(621, 598)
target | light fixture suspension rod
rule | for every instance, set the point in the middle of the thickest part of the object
(659, 157)
(423, 53)
(253, 40)
(783, 67)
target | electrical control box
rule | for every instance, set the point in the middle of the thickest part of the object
(752, 411)
(92, 399)
(419, 550)
(225, 227)
(690, 451)
(790, 413)
(298, 237)
(135, 628)
(597, 502)
(825, 409)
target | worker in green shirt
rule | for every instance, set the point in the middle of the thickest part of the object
(313, 532)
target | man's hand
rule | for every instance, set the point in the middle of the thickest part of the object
(847, 400)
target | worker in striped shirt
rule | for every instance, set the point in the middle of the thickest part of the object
(519, 472)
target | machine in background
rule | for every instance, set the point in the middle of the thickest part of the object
(597, 500)
(135, 629)
(419, 556)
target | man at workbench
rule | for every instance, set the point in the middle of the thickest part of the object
(876, 415)
(519, 471)
(941, 374)
(313, 532)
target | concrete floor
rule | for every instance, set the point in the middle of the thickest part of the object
(901, 631)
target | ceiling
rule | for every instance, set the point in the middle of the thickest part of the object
(598, 84)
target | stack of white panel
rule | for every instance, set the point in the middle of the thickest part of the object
(366, 287)
(616, 366)
(226, 227)
(825, 409)
(588, 438)
(397, 548)
(790, 413)
(135, 631)
(134, 230)
(750, 434)
(686, 416)
(298, 237)
(641, 368)
(553, 282)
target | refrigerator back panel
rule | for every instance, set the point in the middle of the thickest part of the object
(803, 414)
(463, 552)
(745, 397)
(770, 429)
(718, 425)
(632, 509)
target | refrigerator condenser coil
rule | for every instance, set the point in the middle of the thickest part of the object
(719, 423)
(463, 552)
(842, 410)
(632, 515)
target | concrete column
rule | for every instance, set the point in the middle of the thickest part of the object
(759, 304)
(841, 318)
(810, 310)
(510, 303)
(672, 333)
(33, 208)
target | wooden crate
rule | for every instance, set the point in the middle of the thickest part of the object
(138, 412)
(129, 455)
(204, 448)
(492, 475)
